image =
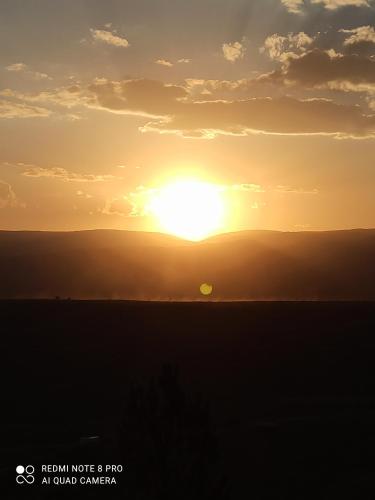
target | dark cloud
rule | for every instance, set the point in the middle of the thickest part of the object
(360, 41)
(319, 68)
(173, 108)
(141, 96)
(271, 116)
(336, 4)
(362, 48)
(297, 6)
(206, 119)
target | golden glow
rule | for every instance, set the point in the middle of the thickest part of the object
(190, 209)
(206, 289)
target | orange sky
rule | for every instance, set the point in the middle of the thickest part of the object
(102, 103)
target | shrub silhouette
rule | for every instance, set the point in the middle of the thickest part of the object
(168, 443)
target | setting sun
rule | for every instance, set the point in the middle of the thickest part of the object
(189, 209)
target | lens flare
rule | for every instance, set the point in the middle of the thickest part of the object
(206, 289)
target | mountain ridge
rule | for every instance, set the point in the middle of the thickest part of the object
(246, 265)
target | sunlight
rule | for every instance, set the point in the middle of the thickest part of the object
(190, 209)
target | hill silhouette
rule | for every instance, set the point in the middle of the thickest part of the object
(248, 265)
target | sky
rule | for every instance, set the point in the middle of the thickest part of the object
(103, 102)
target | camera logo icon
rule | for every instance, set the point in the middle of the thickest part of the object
(25, 474)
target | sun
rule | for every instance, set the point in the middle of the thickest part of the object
(190, 209)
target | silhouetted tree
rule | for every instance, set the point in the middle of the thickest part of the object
(168, 443)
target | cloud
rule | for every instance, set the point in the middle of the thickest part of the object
(8, 199)
(16, 67)
(203, 88)
(9, 109)
(121, 206)
(285, 116)
(65, 175)
(336, 4)
(233, 51)
(361, 40)
(169, 64)
(360, 34)
(294, 190)
(164, 62)
(294, 6)
(281, 47)
(173, 109)
(82, 194)
(132, 204)
(109, 38)
(68, 97)
(18, 164)
(248, 187)
(326, 69)
(142, 97)
(23, 68)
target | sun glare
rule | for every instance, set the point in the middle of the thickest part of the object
(190, 209)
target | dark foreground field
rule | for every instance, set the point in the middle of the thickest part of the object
(291, 390)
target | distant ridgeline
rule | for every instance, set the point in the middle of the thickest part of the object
(249, 265)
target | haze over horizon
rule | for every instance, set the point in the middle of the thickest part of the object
(160, 116)
(248, 265)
